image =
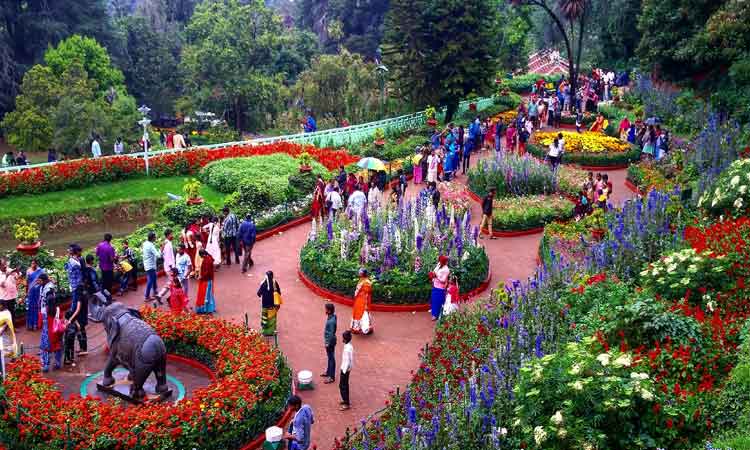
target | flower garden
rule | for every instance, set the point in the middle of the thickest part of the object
(252, 383)
(528, 193)
(399, 246)
(586, 148)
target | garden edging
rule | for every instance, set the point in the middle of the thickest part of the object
(380, 307)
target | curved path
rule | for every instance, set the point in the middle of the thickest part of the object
(383, 360)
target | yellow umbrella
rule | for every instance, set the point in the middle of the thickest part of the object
(371, 164)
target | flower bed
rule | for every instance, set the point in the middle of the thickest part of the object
(249, 394)
(84, 172)
(729, 194)
(399, 247)
(530, 212)
(587, 149)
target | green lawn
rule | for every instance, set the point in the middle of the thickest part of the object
(97, 196)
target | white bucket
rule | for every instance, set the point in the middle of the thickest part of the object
(274, 434)
(304, 377)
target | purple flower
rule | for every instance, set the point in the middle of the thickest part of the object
(329, 229)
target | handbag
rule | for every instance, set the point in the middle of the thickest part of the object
(277, 299)
(58, 326)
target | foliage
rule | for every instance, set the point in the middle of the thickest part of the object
(85, 172)
(399, 247)
(192, 188)
(249, 394)
(431, 62)
(586, 142)
(682, 273)
(340, 86)
(513, 175)
(269, 173)
(182, 213)
(64, 103)
(522, 84)
(430, 112)
(528, 212)
(26, 232)
(729, 194)
(575, 398)
(304, 159)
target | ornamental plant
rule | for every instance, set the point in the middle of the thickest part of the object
(26, 233)
(399, 246)
(687, 273)
(585, 142)
(577, 398)
(304, 159)
(192, 188)
(430, 112)
(527, 212)
(729, 194)
(379, 134)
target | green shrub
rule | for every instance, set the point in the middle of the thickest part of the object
(180, 212)
(304, 183)
(730, 194)
(602, 159)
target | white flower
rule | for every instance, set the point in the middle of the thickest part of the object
(557, 419)
(639, 375)
(603, 359)
(735, 181)
(655, 272)
(623, 360)
(710, 306)
(646, 394)
(539, 435)
(671, 268)
(717, 192)
(669, 259)
(578, 386)
(738, 203)
(715, 201)
(503, 431)
(743, 189)
(561, 433)
(692, 268)
(537, 374)
(685, 281)
(576, 369)
(588, 446)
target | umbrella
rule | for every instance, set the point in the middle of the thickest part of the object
(371, 164)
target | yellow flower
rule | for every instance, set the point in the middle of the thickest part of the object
(585, 142)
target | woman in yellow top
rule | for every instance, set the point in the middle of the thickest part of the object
(361, 318)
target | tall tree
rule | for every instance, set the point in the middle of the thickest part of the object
(28, 27)
(232, 57)
(574, 13)
(441, 50)
(513, 39)
(149, 61)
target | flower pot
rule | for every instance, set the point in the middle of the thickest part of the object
(432, 122)
(305, 169)
(29, 249)
(195, 201)
(598, 233)
(379, 142)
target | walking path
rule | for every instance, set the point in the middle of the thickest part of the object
(383, 360)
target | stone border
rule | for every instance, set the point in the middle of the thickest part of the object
(632, 187)
(381, 307)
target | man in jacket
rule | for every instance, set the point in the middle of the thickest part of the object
(329, 340)
(247, 234)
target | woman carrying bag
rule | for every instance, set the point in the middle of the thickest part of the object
(270, 297)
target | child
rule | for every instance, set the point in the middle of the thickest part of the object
(127, 254)
(125, 268)
(178, 301)
(582, 206)
(579, 121)
(451, 297)
(607, 185)
(602, 198)
(69, 339)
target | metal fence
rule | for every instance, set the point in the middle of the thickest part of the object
(334, 137)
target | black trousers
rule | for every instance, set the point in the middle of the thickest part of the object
(108, 277)
(10, 305)
(230, 243)
(82, 338)
(331, 367)
(344, 387)
(69, 347)
(466, 159)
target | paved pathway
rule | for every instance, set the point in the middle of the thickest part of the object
(382, 360)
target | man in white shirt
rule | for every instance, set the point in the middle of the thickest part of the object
(347, 362)
(96, 149)
(167, 252)
(357, 200)
(336, 203)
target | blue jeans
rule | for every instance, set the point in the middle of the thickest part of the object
(150, 282)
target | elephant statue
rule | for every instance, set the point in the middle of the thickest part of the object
(136, 346)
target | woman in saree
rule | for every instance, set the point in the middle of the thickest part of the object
(213, 239)
(205, 302)
(190, 240)
(361, 317)
(439, 278)
(32, 295)
(269, 308)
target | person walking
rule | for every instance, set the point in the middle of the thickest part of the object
(167, 252)
(329, 341)
(554, 154)
(50, 340)
(96, 149)
(487, 206)
(213, 236)
(439, 278)
(229, 230)
(8, 287)
(347, 362)
(301, 426)
(150, 257)
(32, 295)
(184, 265)
(466, 156)
(107, 259)
(205, 303)
(361, 318)
(247, 236)
(269, 307)
(178, 141)
(119, 147)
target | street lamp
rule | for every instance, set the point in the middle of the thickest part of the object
(144, 122)
(382, 72)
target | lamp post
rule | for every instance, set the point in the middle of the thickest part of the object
(382, 72)
(144, 122)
